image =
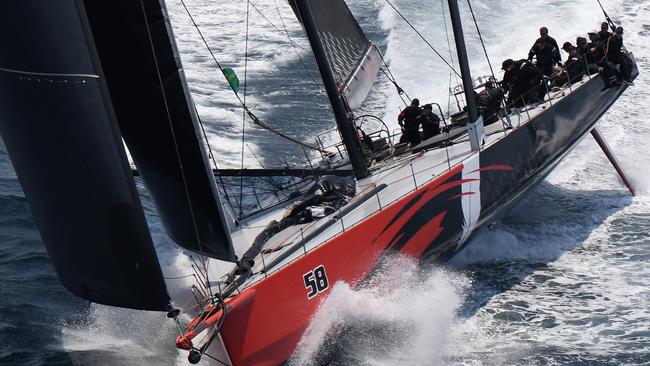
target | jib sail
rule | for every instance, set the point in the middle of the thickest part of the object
(354, 61)
(58, 124)
(158, 121)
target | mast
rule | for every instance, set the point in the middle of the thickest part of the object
(343, 121)
(475, 126)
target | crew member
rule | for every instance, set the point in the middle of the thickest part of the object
(488, 102)
(614, 55)
(596, 47)
(408, 120)
(430, 122)
(584, 51)
(574, 68)
(523, 82)
(547, 52)
(604, 33)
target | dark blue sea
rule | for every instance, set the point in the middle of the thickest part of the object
(564, 279)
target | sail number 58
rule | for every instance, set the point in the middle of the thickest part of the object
(316, 281)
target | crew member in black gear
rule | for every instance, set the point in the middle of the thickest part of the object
(547, 52)
(604, 33)
(430, 122)
(587, 54)
(614, 55)
(522, 79)
(488, 102)
(594, 41)
(596, 46)
(584, 51)
(408, 120)
(574, 67)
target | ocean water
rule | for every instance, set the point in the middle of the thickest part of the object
(563, 279)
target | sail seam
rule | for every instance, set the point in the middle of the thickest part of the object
(13, 71)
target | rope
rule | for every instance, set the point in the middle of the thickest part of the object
(422, 37)
(280, 133)
(481, 38)
(241, 102)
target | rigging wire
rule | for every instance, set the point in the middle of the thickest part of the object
(451, 55)
(243, 121)
(276, 186)
(444, 22)
(252, 116)
(422, 37)
(169, 119)
(389, 75)
(203, 276)
(293, 44)
(478, 30)
(284, 32)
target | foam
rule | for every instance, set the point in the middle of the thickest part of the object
(421, 306)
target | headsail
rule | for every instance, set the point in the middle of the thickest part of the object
(354, 61)
(58, 124)
(157, 118)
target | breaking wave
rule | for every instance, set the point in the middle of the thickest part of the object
(404, 315)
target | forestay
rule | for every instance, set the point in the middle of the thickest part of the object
(354, 61)
(58, 124)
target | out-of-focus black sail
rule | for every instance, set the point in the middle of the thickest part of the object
(158, 121)
(58, 124)
(354, 61)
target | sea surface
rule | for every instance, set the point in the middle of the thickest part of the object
(562, 280)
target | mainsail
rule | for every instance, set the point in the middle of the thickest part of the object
(60, 130)
(353, 60)
(157, 118)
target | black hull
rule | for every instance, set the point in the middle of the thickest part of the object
(533, 151)
(537, 147)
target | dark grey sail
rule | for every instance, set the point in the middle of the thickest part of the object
(353, 60)
(158, 121)
(58, 124)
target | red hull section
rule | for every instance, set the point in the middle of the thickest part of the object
(267, 329)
